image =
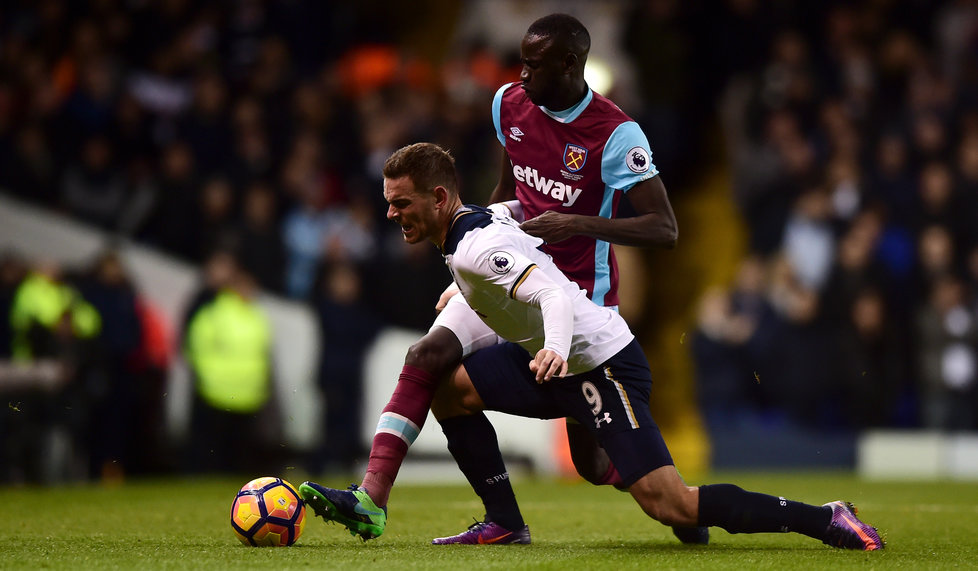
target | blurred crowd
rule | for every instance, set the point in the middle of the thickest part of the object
(854, 160)
(249, 135)
(248, 131)
(192, 126)
(83, 371)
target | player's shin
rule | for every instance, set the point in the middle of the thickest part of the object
(398, 427)
(472, 442)
(739, 511)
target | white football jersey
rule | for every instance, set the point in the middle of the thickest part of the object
(490, 259)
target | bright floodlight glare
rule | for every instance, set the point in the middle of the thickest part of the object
(598, 75)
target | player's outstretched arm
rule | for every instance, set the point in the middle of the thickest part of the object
(654, 226)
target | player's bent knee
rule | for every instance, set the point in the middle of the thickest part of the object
(438, 352)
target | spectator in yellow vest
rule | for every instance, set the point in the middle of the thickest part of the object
(44, 303)
(55, 338)
(227, 344)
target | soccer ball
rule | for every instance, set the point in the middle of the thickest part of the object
(268, 511)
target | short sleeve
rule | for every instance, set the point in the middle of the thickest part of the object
(497, 105)
(627, 158)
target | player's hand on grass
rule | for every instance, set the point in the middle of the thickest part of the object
(547, 364)
(446, 295)
(551, 226)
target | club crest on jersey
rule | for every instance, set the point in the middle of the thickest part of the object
(574, 157)
(637, 160)
(500, 262)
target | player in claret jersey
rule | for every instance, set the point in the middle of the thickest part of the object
(570, 155)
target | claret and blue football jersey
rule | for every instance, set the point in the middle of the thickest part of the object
(577, 161)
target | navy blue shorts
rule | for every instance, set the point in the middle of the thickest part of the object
(612, 400)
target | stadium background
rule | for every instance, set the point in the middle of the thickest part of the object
(822, 159)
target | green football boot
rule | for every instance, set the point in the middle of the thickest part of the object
(351, 508)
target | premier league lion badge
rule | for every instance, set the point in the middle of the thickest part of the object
(638, 160)
(500, 262)
(574, 157)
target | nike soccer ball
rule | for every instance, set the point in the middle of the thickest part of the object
(266, 512)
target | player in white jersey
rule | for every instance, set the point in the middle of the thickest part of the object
(508, 258)
(564, 356)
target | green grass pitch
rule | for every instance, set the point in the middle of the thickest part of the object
(183, 524)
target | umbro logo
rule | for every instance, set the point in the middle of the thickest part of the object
(515, 133)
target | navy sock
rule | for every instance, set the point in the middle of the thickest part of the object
(739, 511)
(472, 442)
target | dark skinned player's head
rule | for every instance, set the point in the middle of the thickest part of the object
(553, 52)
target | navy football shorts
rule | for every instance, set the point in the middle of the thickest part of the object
(612, 400)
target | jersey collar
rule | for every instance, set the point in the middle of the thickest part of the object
(466, 218)
(571, 113)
